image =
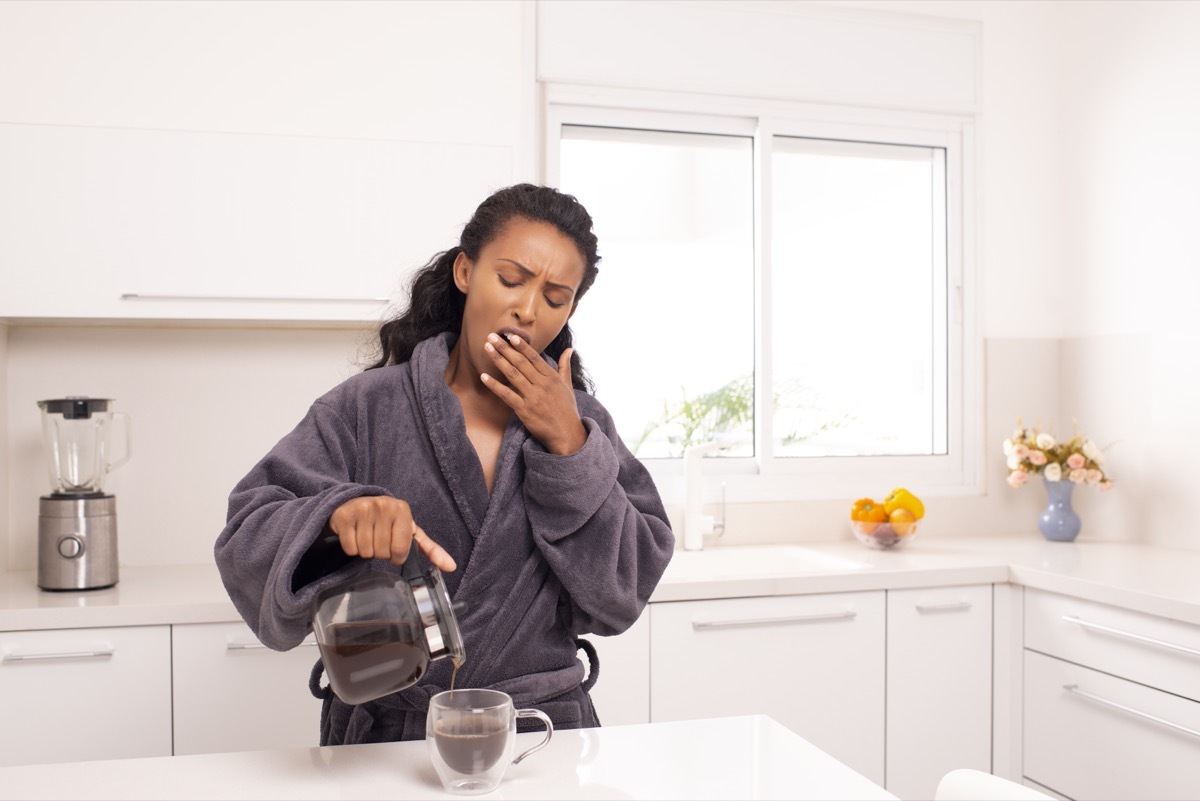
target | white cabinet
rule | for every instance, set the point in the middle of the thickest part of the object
(815, 663)
(118, 223)
(1110, 701)
(939, 685)
(279, 161)
(231, 693)
(84, 694)
(622, 691)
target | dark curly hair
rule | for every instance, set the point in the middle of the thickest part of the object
(435, 302)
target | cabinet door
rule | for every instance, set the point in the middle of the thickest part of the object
(1089, 735)
(1152, 650)
(939, 685)
(232, 693)
(84, 694)
(815, 663)
(622, 691)
(118, 223)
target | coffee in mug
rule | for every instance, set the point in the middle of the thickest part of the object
(471, 736)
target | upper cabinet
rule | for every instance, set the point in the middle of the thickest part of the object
(273, 161)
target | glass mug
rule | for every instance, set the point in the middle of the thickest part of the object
(471, 736)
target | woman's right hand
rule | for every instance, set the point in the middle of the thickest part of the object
(382, 527)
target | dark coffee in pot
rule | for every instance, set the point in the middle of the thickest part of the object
(471, 746)
(370, 659)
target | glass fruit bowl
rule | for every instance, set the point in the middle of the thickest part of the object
(882, 536)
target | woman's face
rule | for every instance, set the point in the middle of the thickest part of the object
(524, 283)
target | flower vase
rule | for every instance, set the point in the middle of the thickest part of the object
(1059, 522)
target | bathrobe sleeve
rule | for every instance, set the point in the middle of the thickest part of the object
(599, 522)
(276, 512)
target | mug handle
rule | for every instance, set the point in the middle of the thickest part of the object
(545, 719)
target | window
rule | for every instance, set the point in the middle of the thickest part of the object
(674, 215)
(790, 287)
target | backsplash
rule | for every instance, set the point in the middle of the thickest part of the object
(207, 402)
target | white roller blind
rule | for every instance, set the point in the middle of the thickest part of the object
(777, 50)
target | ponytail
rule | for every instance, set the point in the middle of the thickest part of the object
(435, 306)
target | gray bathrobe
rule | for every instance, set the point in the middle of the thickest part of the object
(564, 546)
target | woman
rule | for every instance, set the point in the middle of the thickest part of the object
(475, 437)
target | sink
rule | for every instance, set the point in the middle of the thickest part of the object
(751, 561)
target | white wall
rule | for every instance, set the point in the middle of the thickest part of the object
(205, 405)
(1131, 202)
(1089, 175)
(4, 460)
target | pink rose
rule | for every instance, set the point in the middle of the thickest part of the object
(1078, 476)
(1020, 451)
(1016, 478)
(1037, 457)
(1094, 476)
(1076, 461)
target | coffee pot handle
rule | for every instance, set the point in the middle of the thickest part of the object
(128, 427)
(325, 556)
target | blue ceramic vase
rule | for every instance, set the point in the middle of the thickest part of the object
(1058, 522)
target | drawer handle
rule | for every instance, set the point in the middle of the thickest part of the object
(1074, 688)
(847, 614)
(249, 646)
(1130, 635)
(953, 606)
(245, 298)
(11, 657)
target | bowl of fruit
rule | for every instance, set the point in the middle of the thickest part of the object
(890, 524)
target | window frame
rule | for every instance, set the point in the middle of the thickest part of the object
(765, 477)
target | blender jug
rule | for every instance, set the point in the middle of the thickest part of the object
(77, 432)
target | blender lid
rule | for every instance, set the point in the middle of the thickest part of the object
(75, 407)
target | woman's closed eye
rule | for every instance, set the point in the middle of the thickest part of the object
(554, 304)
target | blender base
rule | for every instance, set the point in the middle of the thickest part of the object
(77, 542)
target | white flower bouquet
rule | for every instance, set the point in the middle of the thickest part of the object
(1032, 451)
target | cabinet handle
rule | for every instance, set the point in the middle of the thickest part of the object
(245, 298)
(769, 621)
(11, 657)
(953, 606)
(1074, 688)
(248, 646)
(1130, 635)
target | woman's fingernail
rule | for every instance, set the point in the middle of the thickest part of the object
(493, 337)
(513, 338)
(489, 347)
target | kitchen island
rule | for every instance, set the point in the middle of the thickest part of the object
(750, 757)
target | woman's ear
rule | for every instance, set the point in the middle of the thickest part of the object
(462, 271)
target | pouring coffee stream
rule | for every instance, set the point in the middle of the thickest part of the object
(378, 632)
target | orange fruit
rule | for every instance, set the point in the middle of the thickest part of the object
(903, 521)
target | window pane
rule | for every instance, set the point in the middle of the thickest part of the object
(667, 330)
(858, 276)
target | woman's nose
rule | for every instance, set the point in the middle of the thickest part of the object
(525, 310)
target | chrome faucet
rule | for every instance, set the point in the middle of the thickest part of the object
(695, 523)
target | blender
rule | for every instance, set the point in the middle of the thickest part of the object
(77, 521)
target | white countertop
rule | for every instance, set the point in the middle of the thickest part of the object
(736, 758)
(1149, 579)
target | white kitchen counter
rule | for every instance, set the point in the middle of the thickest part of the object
(736, 758)
(1149, 579)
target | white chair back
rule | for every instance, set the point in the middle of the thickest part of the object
(965, 784)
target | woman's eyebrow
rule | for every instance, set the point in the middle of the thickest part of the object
(532, 274)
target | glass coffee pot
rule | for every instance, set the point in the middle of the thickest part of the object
(378, 632)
